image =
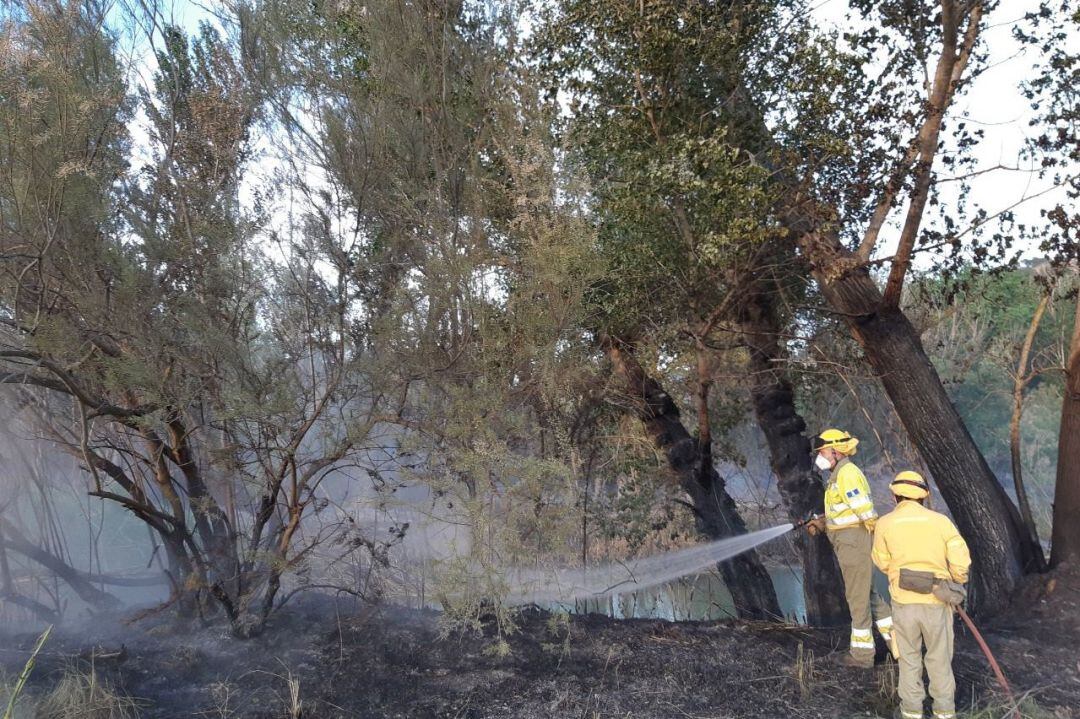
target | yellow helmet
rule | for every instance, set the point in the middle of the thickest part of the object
(837, 439)
(910, 485)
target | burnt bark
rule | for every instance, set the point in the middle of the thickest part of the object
(1001, 549)
(211, 523)
(715, 511)
(773, 399)
(1065, 538)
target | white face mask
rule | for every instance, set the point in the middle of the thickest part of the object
(823, 464)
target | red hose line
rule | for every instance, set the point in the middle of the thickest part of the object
(989, 656)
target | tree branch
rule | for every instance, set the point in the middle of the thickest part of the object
(947, 76)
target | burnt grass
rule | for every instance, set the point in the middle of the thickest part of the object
(384, 661)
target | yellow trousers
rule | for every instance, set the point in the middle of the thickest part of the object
(852, 547)
(931, 625)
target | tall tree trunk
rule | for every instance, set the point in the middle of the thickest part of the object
(1001, 549)
(1020, 382)
(802, 493)
(1065, 540)
(717, 516)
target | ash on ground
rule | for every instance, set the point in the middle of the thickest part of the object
(334, 659)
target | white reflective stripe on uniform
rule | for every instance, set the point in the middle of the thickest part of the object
(911, 715)
(837, 507)
(944, 715)
(884, 624)
(868, 515)
(862, 639)
(842, 521)
(862, 502)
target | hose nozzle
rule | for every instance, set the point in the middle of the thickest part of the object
(809, 518)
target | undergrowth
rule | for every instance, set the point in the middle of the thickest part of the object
(82, 694)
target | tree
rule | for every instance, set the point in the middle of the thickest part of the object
(715, 511)
(685, 214)
(1053, 94)
(1065, 544)
(429, 146)
(773, 397)
(820, 115)
(984, 514)
(662, 122)
(203, 384)
(996, 339)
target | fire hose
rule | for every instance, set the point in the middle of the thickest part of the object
(989, 655)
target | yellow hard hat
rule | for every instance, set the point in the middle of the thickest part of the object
(910, 485)
(837, 439)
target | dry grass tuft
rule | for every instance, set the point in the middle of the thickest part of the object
(805, 674)
(1026, 708)
(295, 706)
(82, 694)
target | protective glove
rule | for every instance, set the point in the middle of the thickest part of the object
(869, 524)
(815, 526)
(952, 593)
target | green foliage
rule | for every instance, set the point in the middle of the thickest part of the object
(682, 206)
(975, 343)
(972, 326)
(417, 288)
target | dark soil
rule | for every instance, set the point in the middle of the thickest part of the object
(390, 662)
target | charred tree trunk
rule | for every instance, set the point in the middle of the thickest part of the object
(717, 516)
(212, 524)
(1001, 549)
(773, 399)
(183, 579)
(1065, 545)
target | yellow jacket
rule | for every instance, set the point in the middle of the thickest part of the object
(914, 537)
(847, 498)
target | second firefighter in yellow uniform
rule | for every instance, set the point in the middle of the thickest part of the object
(919, 548)
(849, 522)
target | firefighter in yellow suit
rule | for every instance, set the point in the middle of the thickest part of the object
(849, 522)
(912, 540)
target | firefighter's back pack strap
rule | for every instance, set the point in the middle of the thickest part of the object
(917, 581)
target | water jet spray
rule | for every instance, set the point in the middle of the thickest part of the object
(559, 585)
